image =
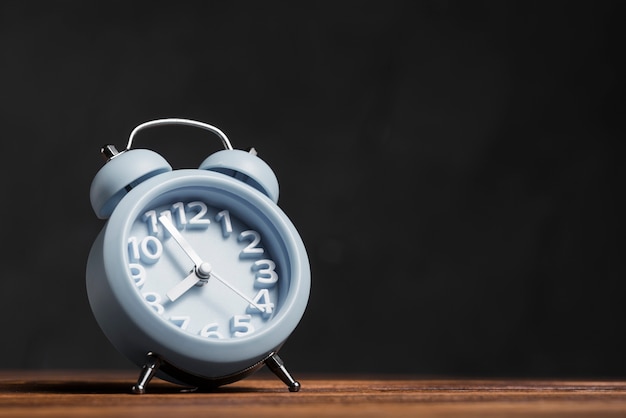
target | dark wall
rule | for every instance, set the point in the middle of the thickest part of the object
(454, 169)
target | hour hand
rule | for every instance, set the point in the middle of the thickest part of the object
(178, 237)
(183, 286)
(202, 272)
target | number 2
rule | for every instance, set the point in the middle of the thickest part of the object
(252, 249)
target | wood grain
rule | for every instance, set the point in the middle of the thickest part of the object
(107, 394)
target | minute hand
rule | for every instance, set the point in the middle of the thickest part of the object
(234, 289)
(184, 244)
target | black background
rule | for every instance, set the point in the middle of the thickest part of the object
(454, 168)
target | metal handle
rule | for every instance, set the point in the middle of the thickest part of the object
(177, 121)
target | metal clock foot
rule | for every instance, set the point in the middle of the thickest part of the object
(277, 366)
(148, 371)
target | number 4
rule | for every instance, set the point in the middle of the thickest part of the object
(262, 299)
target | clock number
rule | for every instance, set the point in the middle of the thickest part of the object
(262, 299)
(210, 330)
(149, 250)
(223, 217)
(240, 325)
(168, 214)
(181, 218)
(138, 273)
(150, 218)
(198, 220)
(152, 221)
(252, 250)
(266, 275)
(180, 321)
(154, 300)
(178, 216)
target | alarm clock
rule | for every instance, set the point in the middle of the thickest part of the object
(197, 276)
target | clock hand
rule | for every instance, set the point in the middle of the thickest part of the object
(183, 286)
(167, 223)
(228, 285)
(200, 273)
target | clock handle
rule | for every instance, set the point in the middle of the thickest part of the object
(178, 121)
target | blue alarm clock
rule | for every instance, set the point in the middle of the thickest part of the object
(197, 276)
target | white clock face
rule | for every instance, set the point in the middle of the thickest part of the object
(203, 270)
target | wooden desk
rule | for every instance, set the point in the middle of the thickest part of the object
(104, 394)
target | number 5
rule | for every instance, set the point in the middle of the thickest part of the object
(240, 325)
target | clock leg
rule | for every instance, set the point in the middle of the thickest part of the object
(148, 371)
(276, 365)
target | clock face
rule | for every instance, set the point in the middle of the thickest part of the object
(204, 266)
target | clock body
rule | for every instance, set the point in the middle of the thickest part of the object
(230, 319)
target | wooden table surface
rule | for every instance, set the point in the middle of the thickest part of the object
(106, 394)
